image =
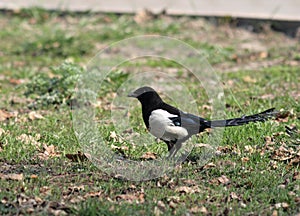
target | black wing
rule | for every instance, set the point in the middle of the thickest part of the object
(194, 124)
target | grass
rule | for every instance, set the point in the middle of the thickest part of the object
(256, 167)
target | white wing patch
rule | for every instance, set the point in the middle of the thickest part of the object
(162, 127)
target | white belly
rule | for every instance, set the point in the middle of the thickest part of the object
(162, 127)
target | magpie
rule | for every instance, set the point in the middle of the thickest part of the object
(174, 126)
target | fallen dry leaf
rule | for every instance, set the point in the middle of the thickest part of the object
(57, 212)
(113, 134)
(161, 205)
(296, 176)
(281, 205)
(294, 161)
(275, 213)
(263, 54)
(200, 145)
(207, 107)
(57, 207)
(224, 149)
(172, 205)
(187, 190)
(73, 189)
(78, 157)
(120, 148)
(30, 210)
(76, 199)
(297, 200)
(229, 83)
(49, 151)
(16, 81)
(249, 149)
(283, 148)
(12, 176)
(189, 181)
(45, 190)
(4, 200)
(267, 96)
(34, 115)
(157, 211)
(233, 195)
(285, 153)
(209, 165)
(223, 180)
(28, 139)
(93, 194)
(245, 159)
(249, 79)
(197, 209)
(203, 210)
(149, 156)
(273, 164)
(138, 198)
(173, 199)
(269, 140)
(242, 204)
(4, 115)
(115, 138)
(285, 158)
(20, 100)
(283, 116)
(33, 176)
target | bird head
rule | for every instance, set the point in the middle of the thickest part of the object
(145, 94)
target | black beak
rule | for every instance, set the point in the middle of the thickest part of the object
(132, 94)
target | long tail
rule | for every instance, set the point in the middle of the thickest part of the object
(259, 117)
(190, 122)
